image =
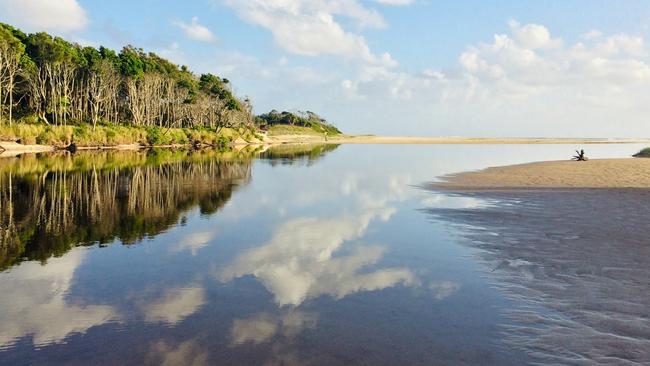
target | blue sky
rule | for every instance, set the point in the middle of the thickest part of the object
(399, 67)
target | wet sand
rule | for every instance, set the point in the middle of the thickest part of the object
(606, 173)
(577, 261)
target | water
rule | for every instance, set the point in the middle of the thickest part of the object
(323, 255)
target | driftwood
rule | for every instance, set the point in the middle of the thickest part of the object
(580, 156)
(72, 148)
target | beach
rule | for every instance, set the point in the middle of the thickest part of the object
(605, 173)
(569, 240)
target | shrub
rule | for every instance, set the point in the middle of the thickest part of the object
(644, 153)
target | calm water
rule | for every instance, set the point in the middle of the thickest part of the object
(324, 256)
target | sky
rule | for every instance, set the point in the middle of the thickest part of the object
(395, 67)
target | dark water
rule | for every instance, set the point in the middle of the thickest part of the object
(319, 255)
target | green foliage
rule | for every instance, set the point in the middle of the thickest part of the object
(302, 119)
(217, 87)
(63, 83)
(644, 153)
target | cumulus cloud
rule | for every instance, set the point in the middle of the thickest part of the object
(524, 82)
(196, 31)
(59, 15)
(309, 27)
(395, 2)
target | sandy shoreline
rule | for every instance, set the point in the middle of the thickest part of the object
(10, 148)
(606, 173)
(370, 139)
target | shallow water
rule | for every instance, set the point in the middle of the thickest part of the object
(324, 256)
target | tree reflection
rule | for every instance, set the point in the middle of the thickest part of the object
(52, 203)
(296, 154)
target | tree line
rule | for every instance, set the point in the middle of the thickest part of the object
(63, 83)
(299, 118)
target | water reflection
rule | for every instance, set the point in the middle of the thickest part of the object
(292, 255)
(263, 326)
(34, 301)
(578, 260)
(188, 353)
(175, 305)
(296, 154)
(53, 203)
(305, 259)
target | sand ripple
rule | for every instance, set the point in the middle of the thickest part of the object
(579, 261)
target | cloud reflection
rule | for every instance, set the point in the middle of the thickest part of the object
(193, 242)
(35, 301)
(186, 353)
(175, 305)
(303, 260)
(261, 327)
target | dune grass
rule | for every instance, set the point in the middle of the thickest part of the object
(107, 134)
(279, 130)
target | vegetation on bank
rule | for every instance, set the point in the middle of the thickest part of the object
(644, 153)
(309, 120)
(57, 92)
(86, 135)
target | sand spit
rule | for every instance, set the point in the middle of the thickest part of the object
(606, 173)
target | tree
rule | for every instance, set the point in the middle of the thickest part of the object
(11, 54)
(62, 82)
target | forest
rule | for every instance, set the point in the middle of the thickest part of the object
(49, 81)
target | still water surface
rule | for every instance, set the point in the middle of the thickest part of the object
(323, 255)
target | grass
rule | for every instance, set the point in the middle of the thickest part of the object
(29, 131)
(644, 153)
(107, 134)
(278, 130)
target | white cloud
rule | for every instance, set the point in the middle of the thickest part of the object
(309, 27)
(196, 31)
(526, 82)
(395, 2)
(36, 15)
(35, 301)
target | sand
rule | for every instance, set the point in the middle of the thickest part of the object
(606, 173)
(370, 139)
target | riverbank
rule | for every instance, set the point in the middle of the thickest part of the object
(33, 138)
(606, 173)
